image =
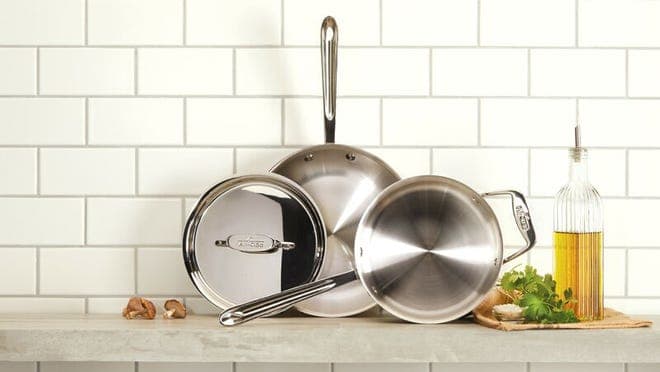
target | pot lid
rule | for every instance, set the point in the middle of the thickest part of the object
(252, 236)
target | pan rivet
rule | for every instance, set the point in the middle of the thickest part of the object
(350, 156)
(309, 157)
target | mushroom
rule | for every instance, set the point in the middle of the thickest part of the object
(174, 309)
(151, 309)
(139, 307)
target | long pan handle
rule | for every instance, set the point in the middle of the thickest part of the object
(329, 44)
(281, 301)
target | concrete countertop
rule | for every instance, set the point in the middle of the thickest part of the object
(57, 337)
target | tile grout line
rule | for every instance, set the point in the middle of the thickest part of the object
(233, 72)
(577, 20)
(300, 145)
(135, 71)
(478, 23)
(353, 96)
(234, 161)
(184, 22)
(282, 22)
(291, 147)
(380, 22)
(430, 160)
(86, 22)
(314, 46)
(430, 72)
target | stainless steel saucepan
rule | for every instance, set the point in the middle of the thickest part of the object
(428, 249)
(343, 180)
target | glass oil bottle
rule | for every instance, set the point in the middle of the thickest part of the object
(578, 238)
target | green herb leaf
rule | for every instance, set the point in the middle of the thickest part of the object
(536, 294)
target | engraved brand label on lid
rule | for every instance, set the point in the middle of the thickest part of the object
(251, 243)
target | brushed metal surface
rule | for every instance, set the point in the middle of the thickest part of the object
(428, 249)
(343, 180)
(342, 187)
(257, 210)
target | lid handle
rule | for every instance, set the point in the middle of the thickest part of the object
(329, 44)
(523, 220)
(254, 243)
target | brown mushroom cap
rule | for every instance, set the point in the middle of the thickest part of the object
(139, 307)
(134, 308)
(149, 306)
(175, 309)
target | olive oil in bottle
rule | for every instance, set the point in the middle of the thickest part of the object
(578, 238)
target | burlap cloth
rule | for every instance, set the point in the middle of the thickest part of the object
(483, 315)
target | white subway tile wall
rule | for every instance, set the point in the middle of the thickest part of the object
(90, 71)
(17, 66)
(116, 114)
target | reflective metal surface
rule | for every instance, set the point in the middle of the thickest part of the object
(343, 181)
(429, 248)
(252, 236)
(329, 44)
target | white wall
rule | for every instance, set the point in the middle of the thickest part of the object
(116, 114)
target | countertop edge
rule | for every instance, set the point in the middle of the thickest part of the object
(201, 339)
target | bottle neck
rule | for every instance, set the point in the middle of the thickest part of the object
(578, 171)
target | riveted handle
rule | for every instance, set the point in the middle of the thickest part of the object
(329, 44)
(254, 243)
(523, 220)
(281, 301)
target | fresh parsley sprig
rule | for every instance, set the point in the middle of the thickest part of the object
(536, 295)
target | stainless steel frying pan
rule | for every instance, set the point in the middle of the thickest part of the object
(343, 180)
(428, 249)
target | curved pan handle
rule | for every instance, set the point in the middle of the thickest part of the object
(523, 220)
(281, 301)
(329, 44)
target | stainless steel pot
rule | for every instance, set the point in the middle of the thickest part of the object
(343, 180)
(428, 249)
